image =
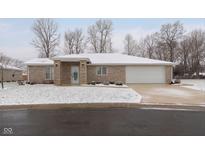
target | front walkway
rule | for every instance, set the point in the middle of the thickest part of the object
(169, 94)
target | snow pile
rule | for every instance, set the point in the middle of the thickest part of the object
(196, 84)
(51, 94)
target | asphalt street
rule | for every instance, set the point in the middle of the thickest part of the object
(116, 121)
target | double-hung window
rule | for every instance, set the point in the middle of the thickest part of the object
(49, 72)
(101, 70)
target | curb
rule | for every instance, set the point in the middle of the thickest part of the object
(101, 106)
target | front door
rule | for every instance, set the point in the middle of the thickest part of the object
(74, 75)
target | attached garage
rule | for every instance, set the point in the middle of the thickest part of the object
(145, 74)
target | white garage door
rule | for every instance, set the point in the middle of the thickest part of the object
(145, 74)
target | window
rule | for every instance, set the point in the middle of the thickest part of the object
(101, 70)
(98, 70)
(49, 73)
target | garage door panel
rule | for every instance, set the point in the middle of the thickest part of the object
(145, 74)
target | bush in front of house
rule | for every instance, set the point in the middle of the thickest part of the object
(92, 82)
(112, 82)
(119, 83)
(106, 82)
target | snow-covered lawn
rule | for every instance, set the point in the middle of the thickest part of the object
(197, 84)
(48, 93)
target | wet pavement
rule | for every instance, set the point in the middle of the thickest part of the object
(116, 121)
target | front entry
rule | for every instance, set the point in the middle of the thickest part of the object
(74, 74)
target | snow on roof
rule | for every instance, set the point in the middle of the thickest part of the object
(39, 61)
(9, 67)
(112, 59)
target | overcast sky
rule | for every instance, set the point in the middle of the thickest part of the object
(16, 34)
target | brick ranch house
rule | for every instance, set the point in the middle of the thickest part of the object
(84, 68)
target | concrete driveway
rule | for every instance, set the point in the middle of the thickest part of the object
(169, 94)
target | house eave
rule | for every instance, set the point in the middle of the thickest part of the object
(40, 64)
(65, 59)
(132, 64)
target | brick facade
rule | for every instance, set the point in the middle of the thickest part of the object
(114, 73)
(87, 73)
(37, 74)
(168, 73)
(62, 72)
(57, 72)
(83, 72)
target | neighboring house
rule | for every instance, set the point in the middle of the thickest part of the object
(85, 68)
(11, 73)
(40, 70)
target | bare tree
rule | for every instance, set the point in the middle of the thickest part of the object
(69, 42)
(148, 46)
(192, 52)
(4, 61)
(129, 45)
(93, 38)
(80, 44)
(47, 37)
(161, 50)
(162, 45)
(197, 49)
(17, 63)
(184, 52)
(74, 42)
(172, 44)
(99, 36)
(170, 35)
